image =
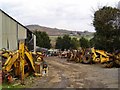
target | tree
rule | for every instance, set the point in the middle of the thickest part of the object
(84, 43)
(59, 43)
(75, 43)
(91, 42)
(107, 25)
(42, 39)
(66, 42)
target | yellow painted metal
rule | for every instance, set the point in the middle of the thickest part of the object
(103, 56)
(19, 59)
(5, 55)
(9, 58)
(10, 61)
(22, 60)
(103, 59)
(29, 55)
(17, 68)
(102, 53)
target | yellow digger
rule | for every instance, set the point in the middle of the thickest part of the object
(114, 61)
(89, 55)
(96, 56)
(100, 56)
(20, 63)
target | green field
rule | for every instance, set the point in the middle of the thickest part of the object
(53, 38)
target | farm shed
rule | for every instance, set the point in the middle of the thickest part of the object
(11, 31)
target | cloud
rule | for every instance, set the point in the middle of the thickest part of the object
(65, 14)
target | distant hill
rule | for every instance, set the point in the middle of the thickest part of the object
(58, 32)
(54, 33)
(49, 31)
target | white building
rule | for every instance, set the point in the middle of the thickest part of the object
(119, 5)
(11, 31)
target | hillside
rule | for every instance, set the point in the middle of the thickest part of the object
(58, 32)
(49, 31)
(54, 33)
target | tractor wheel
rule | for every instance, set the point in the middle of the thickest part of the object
(87, 59)
(117, 63)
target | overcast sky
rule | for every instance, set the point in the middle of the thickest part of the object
(64, 14)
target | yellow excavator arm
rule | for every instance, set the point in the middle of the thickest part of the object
(101, 57)
(18, 60)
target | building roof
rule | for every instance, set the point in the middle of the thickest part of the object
(15, 20)
(119, 5)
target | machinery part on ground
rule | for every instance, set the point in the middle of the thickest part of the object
(77, 60)
(87, 59)
(21, 63)
(88, 56)
(100, 56)
(64, 54)
(68, 56)
(114, 60)
(6, 77)
(91, 55)
(117, 58)
(108, 64)
(78, 56)
(5, 54)
(73, 55)
(97, 60)
(82, 56)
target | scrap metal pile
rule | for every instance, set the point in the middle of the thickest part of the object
(21, 63)
(91, 55)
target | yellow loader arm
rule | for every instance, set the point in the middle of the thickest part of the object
(10, 61)
(19, 60)
(101, 57)
(30, 59)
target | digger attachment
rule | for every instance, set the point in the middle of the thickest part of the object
(21, 62)
(100, 56)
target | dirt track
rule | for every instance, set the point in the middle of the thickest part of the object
(63, 74)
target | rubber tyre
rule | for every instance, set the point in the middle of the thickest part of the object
(87, 59)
